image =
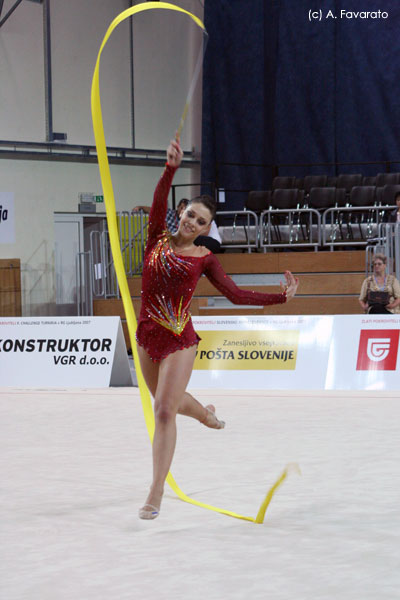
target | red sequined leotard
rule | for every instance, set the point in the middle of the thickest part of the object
(169, 281)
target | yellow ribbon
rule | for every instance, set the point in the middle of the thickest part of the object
(108, 192)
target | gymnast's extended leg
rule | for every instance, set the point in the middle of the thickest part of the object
(188, 406)
(173, 375)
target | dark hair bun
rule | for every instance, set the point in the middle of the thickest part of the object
(207, 201)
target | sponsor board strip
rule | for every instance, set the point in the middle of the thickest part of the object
(63, 351)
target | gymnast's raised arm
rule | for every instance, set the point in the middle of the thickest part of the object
(158, 209)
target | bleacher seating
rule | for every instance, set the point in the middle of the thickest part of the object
(328, 197)
(362, 195)
(283, 183)
(299, 183)
(258, 201)
(283, 210)
(383, 179)
(369, 181)
(287, 199)
(348, 180)
(314, 181)
(389, 192)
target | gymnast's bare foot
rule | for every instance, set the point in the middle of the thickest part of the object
(151, 509)
(210, 418)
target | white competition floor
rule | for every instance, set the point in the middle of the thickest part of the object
(76, 465)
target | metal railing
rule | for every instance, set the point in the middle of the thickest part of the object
(304, 227)
(243, 233)
(95, 273)
(133, 237)
(104, 280)
(290, 227)
(351, 225)
(387, 242)
(84, 290)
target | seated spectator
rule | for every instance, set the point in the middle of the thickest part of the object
(173, 216)
(380, 293)
(394, 215)
(212, 241)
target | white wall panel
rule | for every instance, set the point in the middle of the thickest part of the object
(22, 113)
(78, 28)
(164, 49)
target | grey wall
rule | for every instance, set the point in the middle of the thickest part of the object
(165, 47)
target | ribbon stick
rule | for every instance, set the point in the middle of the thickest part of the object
(108, 192)
(192, 86)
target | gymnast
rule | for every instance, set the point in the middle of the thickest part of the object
(165, 335)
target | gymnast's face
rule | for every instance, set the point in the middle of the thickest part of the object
(195, 221)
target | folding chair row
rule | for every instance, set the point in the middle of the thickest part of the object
(344, 180)
(364, 196)
(321, 198)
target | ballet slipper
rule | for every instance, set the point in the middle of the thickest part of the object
(145, 513)
(214, 422)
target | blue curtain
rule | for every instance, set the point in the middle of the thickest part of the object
(281, 89)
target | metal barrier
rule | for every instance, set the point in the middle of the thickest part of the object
(84, 291)
(133, 237)
(95, 274)
(243, 233)
(350, 225)
(104, 279)
(388, 243)
(290, 227)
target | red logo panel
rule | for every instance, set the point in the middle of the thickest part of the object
(377, 350)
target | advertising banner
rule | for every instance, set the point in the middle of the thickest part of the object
(271, 350)
(364, 353)
(262, 352)
(7, 219)
(63, 352)
(343, 352)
